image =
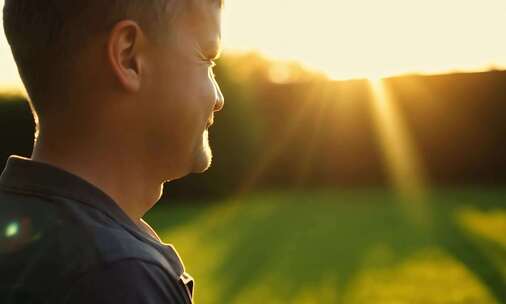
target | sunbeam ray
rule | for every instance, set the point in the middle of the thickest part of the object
(403, 163)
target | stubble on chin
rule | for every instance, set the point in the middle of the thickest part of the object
(204, 155)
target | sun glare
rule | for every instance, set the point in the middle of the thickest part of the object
(370, 38)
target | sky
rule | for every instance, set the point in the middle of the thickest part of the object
(358, 38)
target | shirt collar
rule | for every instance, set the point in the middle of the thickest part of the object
(27, 175)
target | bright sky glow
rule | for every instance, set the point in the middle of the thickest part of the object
(9, 78)
(358, 38)
(367, 38)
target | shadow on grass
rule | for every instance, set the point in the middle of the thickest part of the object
(302, 241)
(473, 251)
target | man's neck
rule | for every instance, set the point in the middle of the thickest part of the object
(105, 165)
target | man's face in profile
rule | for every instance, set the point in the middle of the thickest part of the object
(181, 94)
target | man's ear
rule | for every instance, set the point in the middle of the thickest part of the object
(124, 53)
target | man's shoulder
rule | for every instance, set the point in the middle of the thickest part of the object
(69, 235)
(49, 242)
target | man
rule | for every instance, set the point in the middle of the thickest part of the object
(122, 92)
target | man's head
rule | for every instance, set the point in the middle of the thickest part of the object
(143, 64)
(46, 36)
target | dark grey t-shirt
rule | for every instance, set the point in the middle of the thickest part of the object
(62, 240)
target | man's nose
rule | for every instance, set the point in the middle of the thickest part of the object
(220, 100)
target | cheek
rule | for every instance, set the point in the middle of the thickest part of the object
(205, 85)
(199, 98)
(182, 100)
(187, 106)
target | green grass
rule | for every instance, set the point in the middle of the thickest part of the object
(342, 247)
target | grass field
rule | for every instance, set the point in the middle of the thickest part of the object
(342, 247)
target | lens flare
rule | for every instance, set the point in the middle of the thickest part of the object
(11, 230)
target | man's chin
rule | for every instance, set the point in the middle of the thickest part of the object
(204, 157)
(202, 164)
